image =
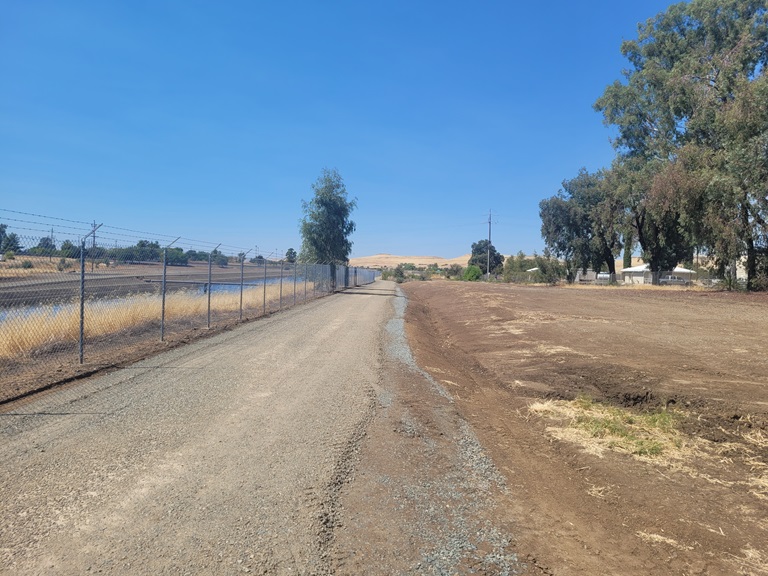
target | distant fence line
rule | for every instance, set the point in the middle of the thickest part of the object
(70, 305)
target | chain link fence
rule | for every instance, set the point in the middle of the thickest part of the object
(74, 303)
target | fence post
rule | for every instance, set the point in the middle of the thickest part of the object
(264, 304)
(294, 282)
(162, 311)
(306, 268)
(280, 305)
(81, 343)
(210, 262)
(242, 272)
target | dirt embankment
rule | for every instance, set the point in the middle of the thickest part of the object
(585, 503)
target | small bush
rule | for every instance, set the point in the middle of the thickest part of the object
(63, 265)
(27, 264)
(472, 273)
(760, 283)
(10, 255)
(453, 271)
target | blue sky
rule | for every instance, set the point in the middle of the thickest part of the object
(211, 120)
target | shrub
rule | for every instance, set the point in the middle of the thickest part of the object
(63, 265)
(453, 271)
(10, 255)
(27, 264)
(472, 273)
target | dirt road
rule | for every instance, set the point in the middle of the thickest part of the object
(247, 452)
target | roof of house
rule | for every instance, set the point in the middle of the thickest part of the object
(644, 268)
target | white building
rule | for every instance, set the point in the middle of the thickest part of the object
(642, 274)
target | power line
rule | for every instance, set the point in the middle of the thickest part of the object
(41, 216)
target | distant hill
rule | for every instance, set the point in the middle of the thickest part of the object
(392, 260)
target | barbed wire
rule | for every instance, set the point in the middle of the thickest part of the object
(42, 216)
(111, 234)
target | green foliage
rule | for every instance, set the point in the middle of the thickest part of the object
(176, 257)
(27, 264)
(550, 270)
(581, 224)
(196, 256)
(143, 251)
(472, 273)
(290, 255)
(219, 259)
(326, 225)
(692, 122)
(398, 274)
(9, 255)
(9, 242)
(69, 250)
(258, 260)
(45, 247)
(517, 269)
(63, 264)
(479, 257)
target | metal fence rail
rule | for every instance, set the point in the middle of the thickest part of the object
(72, 306)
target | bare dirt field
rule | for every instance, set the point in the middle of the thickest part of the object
(630, 425)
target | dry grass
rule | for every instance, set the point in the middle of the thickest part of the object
(40, 265)
(28, 331)
(391, 260)
(654, 438)
(601, 427)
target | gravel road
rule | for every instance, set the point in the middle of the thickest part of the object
(308, 442)
(219, 457)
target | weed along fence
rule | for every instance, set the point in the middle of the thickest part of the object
(72, 306)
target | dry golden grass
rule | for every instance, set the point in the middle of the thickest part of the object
(26, 332)
(40, 265)
(392, 260)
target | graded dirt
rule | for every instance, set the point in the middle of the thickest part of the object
(581, 507)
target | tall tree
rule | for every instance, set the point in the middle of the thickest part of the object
(10, 243)
(326, 225)
(581, 224)
(479, 258)
(561, 232)
(290, 255)
(693, 70)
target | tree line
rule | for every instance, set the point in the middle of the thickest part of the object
(690, 176)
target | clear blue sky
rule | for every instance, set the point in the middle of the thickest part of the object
(211, 120)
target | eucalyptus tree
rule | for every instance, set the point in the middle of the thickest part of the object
(581, 223)
(689, 109)
(326, 226)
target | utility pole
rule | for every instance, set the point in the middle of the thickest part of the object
(489, 246)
